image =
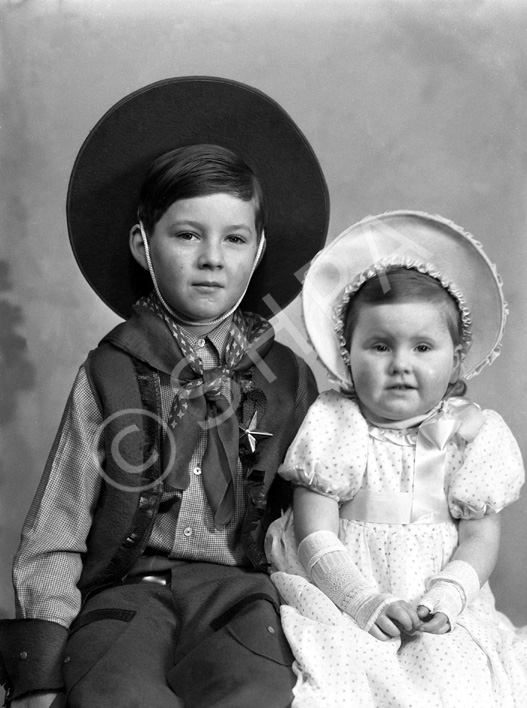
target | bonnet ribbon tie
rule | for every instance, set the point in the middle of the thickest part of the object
(455, 416)
(200, 405)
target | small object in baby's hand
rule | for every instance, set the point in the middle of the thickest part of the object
(425, 614)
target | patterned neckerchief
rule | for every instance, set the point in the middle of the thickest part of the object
(200, 405)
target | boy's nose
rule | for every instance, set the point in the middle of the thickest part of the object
(211, 256)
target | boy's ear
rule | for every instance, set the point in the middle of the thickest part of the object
(137, 247)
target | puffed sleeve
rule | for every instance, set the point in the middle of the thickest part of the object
(492, 473)
(330, 450)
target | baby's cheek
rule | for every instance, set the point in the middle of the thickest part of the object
(366, 383)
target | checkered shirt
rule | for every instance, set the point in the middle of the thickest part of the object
(48, 564)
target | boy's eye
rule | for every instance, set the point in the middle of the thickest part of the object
(423, 347)
(380, 347)
(236, 238)
(185, 235)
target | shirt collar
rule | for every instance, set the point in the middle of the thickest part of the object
(217, 337)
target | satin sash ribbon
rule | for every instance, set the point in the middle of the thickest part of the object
(427, 502)
(200, 404)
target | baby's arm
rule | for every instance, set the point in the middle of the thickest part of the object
(459, 582)
(331, 568)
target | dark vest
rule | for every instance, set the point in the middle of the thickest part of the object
(127, 388)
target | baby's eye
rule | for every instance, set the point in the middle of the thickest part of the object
(423, 348)
(379, 347)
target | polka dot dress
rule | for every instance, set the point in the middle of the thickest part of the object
(483, 662)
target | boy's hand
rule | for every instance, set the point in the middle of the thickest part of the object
(41, 700)
(394, 619)
(434, 623)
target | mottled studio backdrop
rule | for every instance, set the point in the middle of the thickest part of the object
(417, 104)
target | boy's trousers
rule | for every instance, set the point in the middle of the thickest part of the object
(210, 638)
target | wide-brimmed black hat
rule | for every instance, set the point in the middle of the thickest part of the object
(110, 168)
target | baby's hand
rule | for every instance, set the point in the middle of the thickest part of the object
(435, 623)
(396, 618)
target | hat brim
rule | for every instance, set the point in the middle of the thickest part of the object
(424, 239)
(115, 157)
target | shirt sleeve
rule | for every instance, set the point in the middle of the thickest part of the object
(48, 563)
(330, 451)
(492, 473)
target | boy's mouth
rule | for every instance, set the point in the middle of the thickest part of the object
(208, 285)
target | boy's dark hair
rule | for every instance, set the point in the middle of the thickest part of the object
(196, 171)
(400, 284)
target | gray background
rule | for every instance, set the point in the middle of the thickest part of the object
(408, 104)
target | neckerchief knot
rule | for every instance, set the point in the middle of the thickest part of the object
(213, 380)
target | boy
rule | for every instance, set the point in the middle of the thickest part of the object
(135, 580)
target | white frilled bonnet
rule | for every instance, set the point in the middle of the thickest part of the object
(418, 241)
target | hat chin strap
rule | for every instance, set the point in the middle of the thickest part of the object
(221, 318)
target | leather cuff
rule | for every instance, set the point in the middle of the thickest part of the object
(31, 656)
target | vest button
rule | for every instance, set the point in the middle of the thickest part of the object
(23, 654)
(197, 470)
